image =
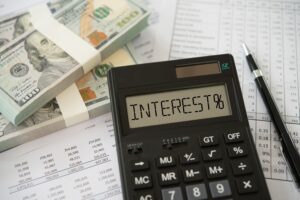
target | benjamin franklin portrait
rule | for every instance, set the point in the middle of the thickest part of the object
(22, 25)
(47, 58)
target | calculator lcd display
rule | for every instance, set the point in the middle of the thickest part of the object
(178, 106)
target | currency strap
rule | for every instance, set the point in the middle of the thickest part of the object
(70, 102)
(76, 47)
(72, 106)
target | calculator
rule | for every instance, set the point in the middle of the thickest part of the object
(182, 131)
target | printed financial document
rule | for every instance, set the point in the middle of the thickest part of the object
(271, 29)
(79, 162)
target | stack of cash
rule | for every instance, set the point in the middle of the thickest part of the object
(43, 53)
(93, 91)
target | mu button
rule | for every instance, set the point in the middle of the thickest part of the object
(165, 161)
(168, 177)
(142, 181)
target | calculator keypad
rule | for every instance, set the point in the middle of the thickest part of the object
(196, 175)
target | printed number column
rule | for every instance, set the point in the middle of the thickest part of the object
(290, 64)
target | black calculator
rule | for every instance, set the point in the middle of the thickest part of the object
(182, 131)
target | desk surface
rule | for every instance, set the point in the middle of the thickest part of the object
(271, 29)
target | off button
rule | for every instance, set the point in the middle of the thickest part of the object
(233, 137)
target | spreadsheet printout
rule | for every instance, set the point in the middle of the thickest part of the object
(75, 163)
(271, 30)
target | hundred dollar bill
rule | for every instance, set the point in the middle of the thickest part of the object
(58, 5)
(102, 22)
(31, 68)
(14, 26)
(94, 92)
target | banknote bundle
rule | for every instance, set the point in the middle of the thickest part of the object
(43, 53)
(93, 91)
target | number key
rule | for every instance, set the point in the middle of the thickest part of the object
(196, 192)
(220, 188)
(172, 194)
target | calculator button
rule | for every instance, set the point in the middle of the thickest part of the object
(233, 137)
(196, 192)
(246, 185)
(220, 189)
(142, 181)
(192, 174)
(208, 141)
(168, 177)
(172, 193)
(240, 167)
(137, 165)
(215, 170)
(165, 161)
(237, 151)
(134, 148)
(211, 154)
(189, 158)
(145, 196)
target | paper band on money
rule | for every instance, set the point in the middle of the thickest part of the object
(72, 106)
(77, 48)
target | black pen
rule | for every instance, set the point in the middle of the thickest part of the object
(288, 147)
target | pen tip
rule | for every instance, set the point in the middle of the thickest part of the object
(246, 50)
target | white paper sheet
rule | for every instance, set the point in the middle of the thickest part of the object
(7, 7)
(79, 162)
(271, 29)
